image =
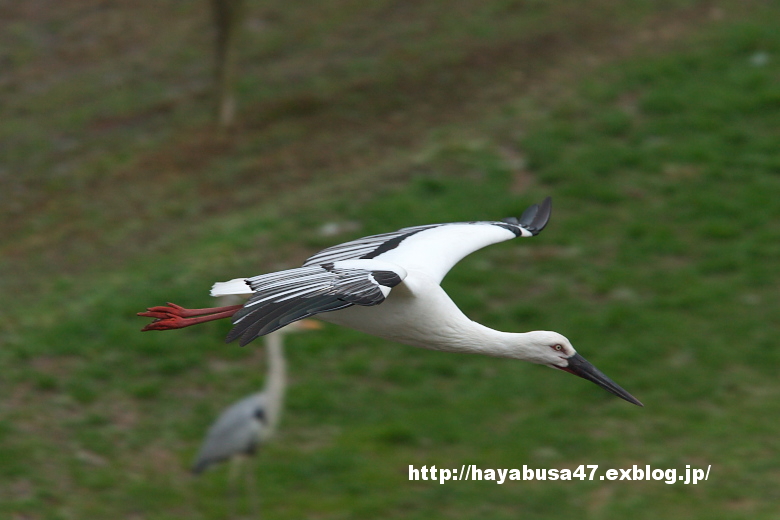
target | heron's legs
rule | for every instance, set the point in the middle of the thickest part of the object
(176, 317)
(251, 489)
(236, 464)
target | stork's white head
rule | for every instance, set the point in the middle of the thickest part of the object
(549, 348)
(545, 347)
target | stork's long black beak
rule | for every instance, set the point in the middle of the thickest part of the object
(579, 366)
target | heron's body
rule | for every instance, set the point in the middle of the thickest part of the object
(237, 431)
(247, 424)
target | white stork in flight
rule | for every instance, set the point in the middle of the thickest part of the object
(387, 285)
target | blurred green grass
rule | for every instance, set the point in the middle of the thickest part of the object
(659, 265)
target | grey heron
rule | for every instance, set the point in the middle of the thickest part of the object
(242, 427)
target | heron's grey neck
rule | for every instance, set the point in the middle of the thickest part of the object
(276, 378)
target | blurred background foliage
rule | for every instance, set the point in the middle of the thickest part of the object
(653, 125)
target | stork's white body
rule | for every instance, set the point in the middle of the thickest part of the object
(420, 313)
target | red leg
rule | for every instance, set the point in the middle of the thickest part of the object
(183, 312)
(177, 317)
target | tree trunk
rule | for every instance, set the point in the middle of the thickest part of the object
(227, 16)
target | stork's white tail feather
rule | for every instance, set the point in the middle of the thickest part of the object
(234, 286)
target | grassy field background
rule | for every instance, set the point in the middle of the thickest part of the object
(653, 125)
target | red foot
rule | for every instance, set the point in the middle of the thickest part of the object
(177, 317)
(167, 323)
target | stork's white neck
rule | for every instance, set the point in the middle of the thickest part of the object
(467, 336)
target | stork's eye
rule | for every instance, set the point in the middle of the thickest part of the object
(558, 347)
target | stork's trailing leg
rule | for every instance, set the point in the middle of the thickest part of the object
(177, 317)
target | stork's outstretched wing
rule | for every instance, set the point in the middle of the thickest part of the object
(436, 248)
(286, 296)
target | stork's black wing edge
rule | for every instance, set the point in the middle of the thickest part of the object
(535, 218)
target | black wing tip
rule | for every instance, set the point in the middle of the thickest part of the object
(247, 340)
(234, 334)
(270, 318)
(536, 217)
